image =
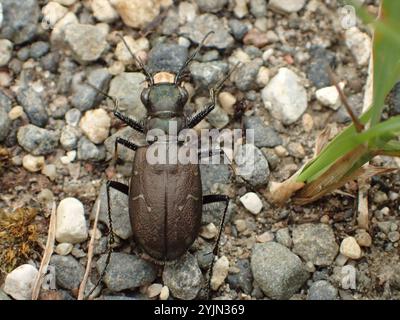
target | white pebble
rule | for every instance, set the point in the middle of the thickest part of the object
(359, 44)
(263, 76)
(209, 231)
(66, 2)
(50, 171)
(103, 11)
(164, 294)
(71, 224)
(227, 100)
(154, 290)
(252, 202)
(19, 282)
(286, 6)
(63, 249)
(32, 163)
(221, 269)
(6, 48)
(96, 125)
(350, 248)
(329, 96)
(53, 12)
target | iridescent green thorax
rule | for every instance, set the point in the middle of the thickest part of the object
(165, 97)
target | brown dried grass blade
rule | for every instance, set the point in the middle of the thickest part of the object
(82, 287)
(279, 193)
(46, 255)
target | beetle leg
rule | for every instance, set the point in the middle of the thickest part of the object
(213, 198)
(125, 143)
(121, 188)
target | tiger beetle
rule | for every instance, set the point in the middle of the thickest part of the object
(165, 200)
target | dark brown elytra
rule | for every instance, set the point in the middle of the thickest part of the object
(165, 200)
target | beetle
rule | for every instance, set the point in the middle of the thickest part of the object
(165, 200)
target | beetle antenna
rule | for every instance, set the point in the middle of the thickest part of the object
(138, 61)
(193, 55)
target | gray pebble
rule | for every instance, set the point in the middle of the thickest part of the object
(50, 61)
(322, 290)
(208, 73)
(211, 55)
(23, 53)
(73, 116)
(119, 211)
(246, 74)
(356, 103)
(126, 271)
(20, 19)
(87, 150)
(263, 136)
(315, 243)
(183, 277)
(211, 5)
(204, 257)
(278, 271)
(69, 138)
(252, 165)
(33, 106)
(5, 123)
(36, 140)
(5, 102)
(170, 24)
(316, 72)
(203, 24)
(38, 49)
(258, 8)
(238, 28)
(283, 237)
(15, 65)
(218, 118)
(167, 57)
(6, 49)
(127, 87)
(69, 272)
(245, 276)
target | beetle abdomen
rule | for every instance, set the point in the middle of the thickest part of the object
(165, 207)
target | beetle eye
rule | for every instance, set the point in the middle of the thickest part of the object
(145, 96)
(184, 95)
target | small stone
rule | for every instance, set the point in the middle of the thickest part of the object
(258, 8)
(363, 239)
(252, 165)
(203, 24)
(33, 105)
(341, 260)
(164, 294)
(246, 74)
(183, 277)
(308, 122)
(6, 48)
(238, 28)
(103, 11)
(208, 73)
(211, 5)
(350, 248)
(63, 249)
(359, 44)
(57, 37)
(154, 290)
(240, 10)
(71, 224)
(39, 49)
(87, 42)
(209, 231)
(329, 96)
(19, 282)
(380, 197)
(315, 243)
(283, 237)
(187, 12)
(285, 97)
(32, 163)
(167, 56)
(126, 271)
(218, 118)
(69, 138)
(322, 290)
(296, 150)
(265, 237)
(122, 53)
(240, 225)
(277, 271)
(227, 101)
(53, 12)
(220, 272)
(87, 150)
(36, 140)
(50, 171)
(96, 125)
(66, 2)
(264, 136)
(59, 107)
(252, 202)
(394, 236)
(127, 87)
(5, 123)
(20, 19)
(263, 76)
(286, 6)
(316, 71)
(50, 61)
(256, 38)
(69, 272)
(78, 253)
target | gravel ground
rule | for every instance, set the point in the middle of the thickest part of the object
(60, 134)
